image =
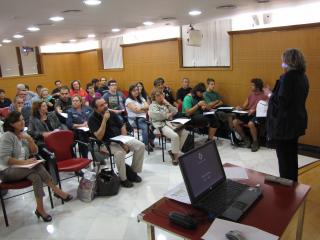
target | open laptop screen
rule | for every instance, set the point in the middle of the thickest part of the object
(202, 169)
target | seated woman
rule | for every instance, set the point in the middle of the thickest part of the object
(78, 120)
(250, 105)
(137, 107)
(194, 105)
(143, 92)
(160, 113)
(44, 96)
(77, 90)
(16, 147)
(42, 123)
(91, 94)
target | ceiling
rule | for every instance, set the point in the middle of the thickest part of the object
(17, 15)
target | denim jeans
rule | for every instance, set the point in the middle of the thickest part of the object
(143, 126)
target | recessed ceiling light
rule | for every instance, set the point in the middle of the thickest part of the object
(0, 45)
(115, 30)
(91, 35)
(148, 23)
(92, 2)
(18, 36)
(33, 29)
(195, 13)
(72, 40)
(56, 18)
(6, 41)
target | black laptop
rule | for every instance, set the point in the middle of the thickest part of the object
(208, 187)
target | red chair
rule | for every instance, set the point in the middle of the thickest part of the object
(4, 112)
(15, 186)
(61, 143)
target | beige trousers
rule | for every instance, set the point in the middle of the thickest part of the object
(137, 148)
(177, 138)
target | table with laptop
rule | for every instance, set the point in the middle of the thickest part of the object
(267, 204)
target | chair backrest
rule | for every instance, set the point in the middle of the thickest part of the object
(60, 143)
(4, 112)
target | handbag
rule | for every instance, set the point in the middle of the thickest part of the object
(108, 183)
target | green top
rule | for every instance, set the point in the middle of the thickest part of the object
(189, 102)
(210, 97)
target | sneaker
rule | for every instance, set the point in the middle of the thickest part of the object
(254, 146)
(126, 183)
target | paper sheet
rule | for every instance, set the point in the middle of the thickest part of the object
(85, 129)
(220, 227)
(210, 113)
(236, 173)
(28, 165)
(240, 111)
(180, 120)
(65, 115)
(122, 138)
(225, 108)
(179, 193)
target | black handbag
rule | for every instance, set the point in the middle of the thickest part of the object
(108, 183)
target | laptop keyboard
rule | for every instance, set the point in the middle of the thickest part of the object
(220, 198)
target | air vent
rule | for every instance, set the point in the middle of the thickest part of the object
(71, 11)
(168, 18)
(44, 24)
(227, 6)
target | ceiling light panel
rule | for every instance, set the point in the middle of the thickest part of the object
(6, 41)
(17, 36)
(56, 19)
(195, 13)
(148, 23)
(92, 2)
(115, 30)
(91, 35)
(33, 29)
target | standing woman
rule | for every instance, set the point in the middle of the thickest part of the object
(287, 116)
(16, 147)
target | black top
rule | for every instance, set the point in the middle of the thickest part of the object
(113, 128)
(287, 116)
(168, 95)
(63, 105)
(182, 92)
(102, 90)
(56, 90)
(5, 103)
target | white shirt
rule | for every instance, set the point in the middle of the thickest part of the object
(132, 114)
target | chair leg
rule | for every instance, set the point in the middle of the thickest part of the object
(162, 148)
(4, 211)
(59, 181)
(50, 196)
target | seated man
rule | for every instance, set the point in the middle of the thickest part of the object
(214, 100)
(4, 102)
(183, 91)
(56, 92)
(18, 105)
(102, 87)
(159, 84)
(63, 103)
(194, 106)
(115, 99)
(250, 105)
(105, 124)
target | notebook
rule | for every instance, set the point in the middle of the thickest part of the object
(208, 187)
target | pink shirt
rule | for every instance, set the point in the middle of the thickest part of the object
(254, 98)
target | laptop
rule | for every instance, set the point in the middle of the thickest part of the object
(208, 187)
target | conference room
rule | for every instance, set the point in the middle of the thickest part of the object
(102, 102)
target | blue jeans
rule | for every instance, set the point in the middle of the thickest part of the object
(143, 126)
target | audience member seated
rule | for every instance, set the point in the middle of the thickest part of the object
(102, 86)
(214, 100)
(78, 118)
(63, 103)
(194, 106)
(137, 108)
(16, 148)
(159, 84)
(91, 94)
(95, 83)
(44, 96)
(56, 92)
(4, 102)
(104, 125)
(115, 99)
(77, 90)
(37, 93)
(250, 105)
(161, 112)
(143, 92)
(27, 95)
(18, 105)
(183, 91)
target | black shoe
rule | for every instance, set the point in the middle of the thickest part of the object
(135, 178)
(151, 143)
(149, 149)
(67, 199)
(126, 183)
(48, 218)
(254, 146)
